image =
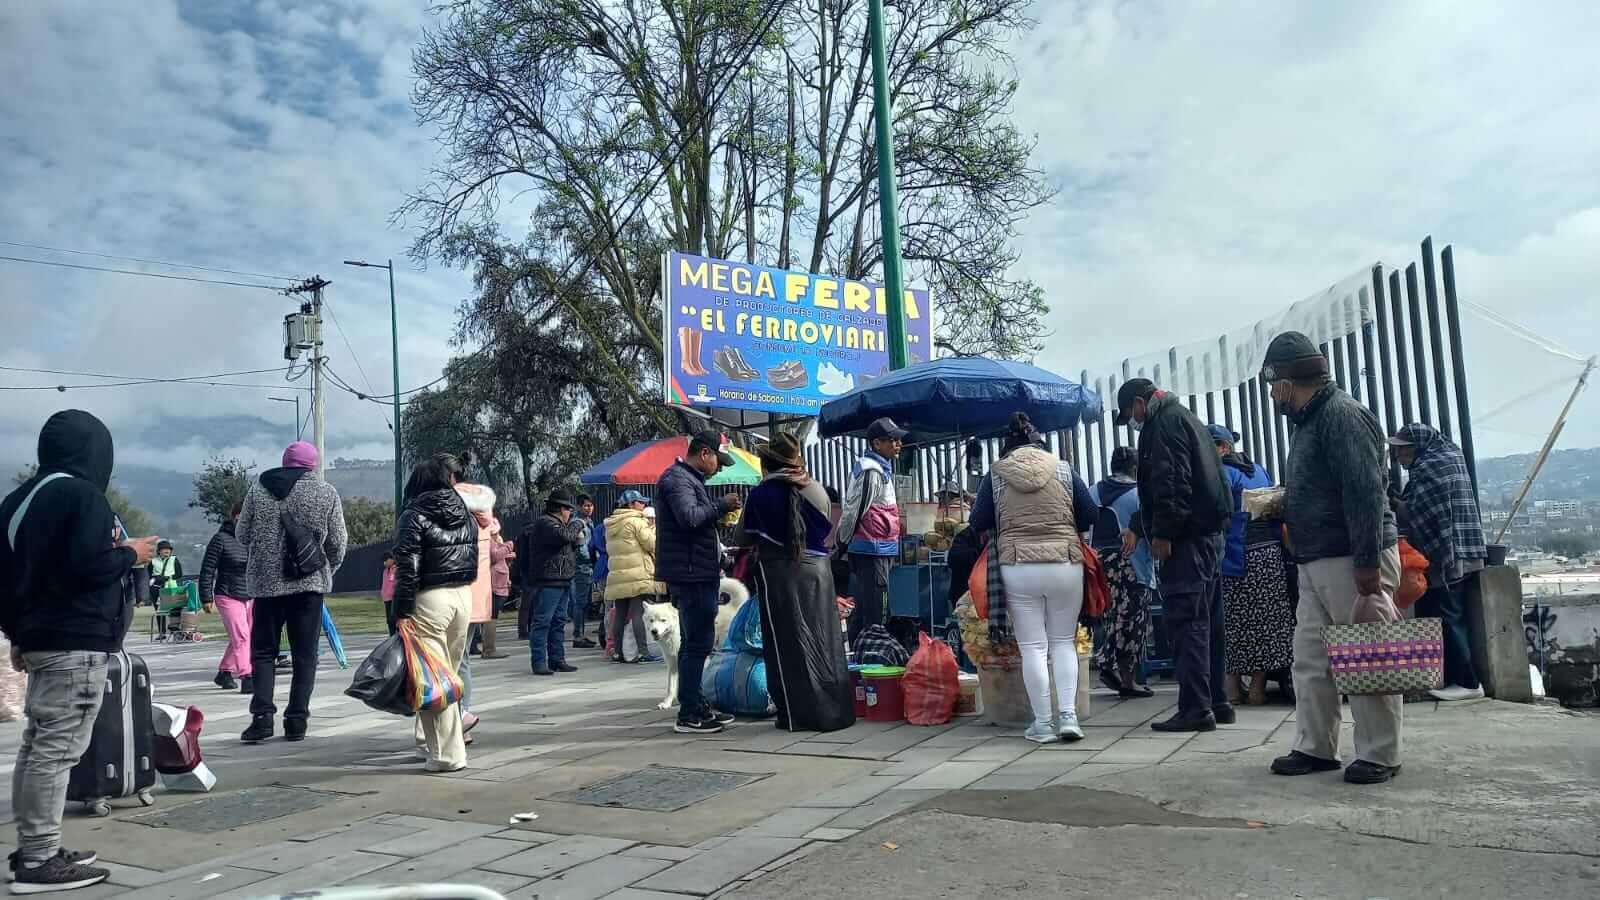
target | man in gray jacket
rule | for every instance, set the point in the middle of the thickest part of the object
(1342, 534)
(292, 529)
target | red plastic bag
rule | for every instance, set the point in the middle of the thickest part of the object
(1413, 576)
(931, 685)
(1096, 590)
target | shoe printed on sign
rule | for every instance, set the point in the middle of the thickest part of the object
(833, 381)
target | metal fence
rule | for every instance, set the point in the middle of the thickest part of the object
(1392, 337)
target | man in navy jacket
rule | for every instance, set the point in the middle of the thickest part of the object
(689, 561)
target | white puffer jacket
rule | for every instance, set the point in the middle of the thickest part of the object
(631, 551)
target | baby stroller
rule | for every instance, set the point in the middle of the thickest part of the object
(177, 615)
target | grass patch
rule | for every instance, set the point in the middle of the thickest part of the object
(352, 614)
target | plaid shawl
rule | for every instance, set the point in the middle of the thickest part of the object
(1000, 627)
(1442, 519)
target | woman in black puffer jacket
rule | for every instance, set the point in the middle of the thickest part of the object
(223, 589)
(436, 560)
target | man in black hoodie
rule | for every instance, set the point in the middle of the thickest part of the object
(1184, 507)
(62, 565)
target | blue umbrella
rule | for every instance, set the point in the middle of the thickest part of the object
(332, 633)
(968, 396)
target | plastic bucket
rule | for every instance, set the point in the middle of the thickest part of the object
(1496, 554)
(858, 690)
(885, 701)
(968, 702)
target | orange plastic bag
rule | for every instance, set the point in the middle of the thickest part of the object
(1096, 590)
(932, 683)
(1413, 576)
(978, 583)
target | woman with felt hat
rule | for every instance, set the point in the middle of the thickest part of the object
(786, 521)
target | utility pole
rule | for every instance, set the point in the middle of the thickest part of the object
(888, 195)
(314, 286)
(394, 343)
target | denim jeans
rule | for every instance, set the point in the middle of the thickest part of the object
(301, 616)
(1191, 596)
(697, 631)
(546, 647)
(582, 586)
(65, 690)
(1449, 604)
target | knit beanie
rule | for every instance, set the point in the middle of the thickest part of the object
(300, 455)
(1293, 356)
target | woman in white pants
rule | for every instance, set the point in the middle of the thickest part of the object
(1037, 506)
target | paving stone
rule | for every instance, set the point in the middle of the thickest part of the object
(1135, 712)
(883, 806)
(526, 835)
(661, 851)
(711, 843)
(808, 849)
(1138, 752)
(636, 894)
(950, 776)
(592, 880)
(196, 886)
(130, 876)
(959, 738)
(299, 856)
(499, 882)
(1091, 771)
(1094, 738)
(792, 823)
(890, 743)
(998, 782)
(326, 873)
(1002, 751)
(722, 865)
(514, 771)
(773, 741)
(442, 833)
(548, 859)
(920, 759)
(1051, 765)
(1227, 741)
(814, 748)
(857, 792)
(832, 834)
(445, 862)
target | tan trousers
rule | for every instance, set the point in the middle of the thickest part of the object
(1327, 597)
(441, 622)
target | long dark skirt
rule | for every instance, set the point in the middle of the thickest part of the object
(1127, 622)
(807, 674)
(1258, 613)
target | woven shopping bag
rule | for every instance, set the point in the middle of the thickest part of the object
(431, 682)
(1386, 657)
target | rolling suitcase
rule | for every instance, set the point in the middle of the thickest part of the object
(120, 759)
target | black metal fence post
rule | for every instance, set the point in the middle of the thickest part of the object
(1418, 355)
(1453, 311)
(1436, 338)
(1397, 319)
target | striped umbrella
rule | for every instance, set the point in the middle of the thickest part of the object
(643, 463)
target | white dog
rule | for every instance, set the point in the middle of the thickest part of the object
(661, 621)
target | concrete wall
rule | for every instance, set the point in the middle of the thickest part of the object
(1568, 629)
(1499, 649)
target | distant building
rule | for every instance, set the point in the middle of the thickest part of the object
(1558, 509)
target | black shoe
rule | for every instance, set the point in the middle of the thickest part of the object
(697, 726)
(563, 667)
(618, 659)
(1224, 714)
(721, 718)
(1363, 772)
(543, 671)
(584, 644)
(1137, 690)
(1203, 722)
(1111, 681)
(225, 681)
(76, 857)
(737, 359)
(260, 729)
(282, 662)
(1297, 763)
(247, 684)
(56, 874)
(294, 731)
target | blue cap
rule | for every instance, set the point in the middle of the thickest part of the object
(632, 496)
(1221, 435)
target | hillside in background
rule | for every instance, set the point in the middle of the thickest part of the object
(1567, 475)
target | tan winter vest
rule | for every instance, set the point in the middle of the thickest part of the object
(1033, 506)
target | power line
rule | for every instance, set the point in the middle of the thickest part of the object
(138, 259)
(142, 378)
(67, 265)
(359, 367)
(144, 383)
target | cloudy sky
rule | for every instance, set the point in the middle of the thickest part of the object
(1214, 164)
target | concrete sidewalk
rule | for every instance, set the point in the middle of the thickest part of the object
(1487, 787)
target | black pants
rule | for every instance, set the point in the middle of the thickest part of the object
(388, 615)
(696, 603)
(1191, 597)
(1449, 603)
(869, 586)
(621, 612)
(301, 615)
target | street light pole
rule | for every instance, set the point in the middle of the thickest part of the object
(888, 199)
(394, 344)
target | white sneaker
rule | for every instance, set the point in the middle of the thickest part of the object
(1068, 730)
(1451, 692)
(1041, 733)
(434, 767)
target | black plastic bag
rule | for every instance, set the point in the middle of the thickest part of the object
(380, 680)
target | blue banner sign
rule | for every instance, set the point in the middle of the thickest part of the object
(743, 336)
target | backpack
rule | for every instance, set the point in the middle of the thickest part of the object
(302, 549)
